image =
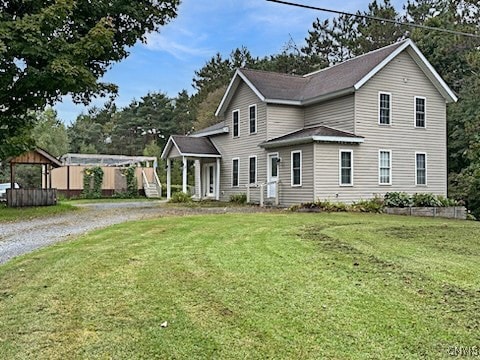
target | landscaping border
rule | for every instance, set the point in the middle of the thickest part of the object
(449, 212)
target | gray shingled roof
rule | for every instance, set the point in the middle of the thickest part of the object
(310, 134)
(329, 80)
(215, 127)
(194, 145)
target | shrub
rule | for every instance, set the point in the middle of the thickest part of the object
(444, 201)
(425, 199)
(131, 176)
(322, 206)
(180, 197)
(174, 188)
(373, 205)
(397, 199)
(238, 198)
(95, 175)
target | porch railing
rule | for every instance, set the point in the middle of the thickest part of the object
(158, 184)
(262, 187)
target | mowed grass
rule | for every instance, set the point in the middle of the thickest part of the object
(248, 286)
(17, 214)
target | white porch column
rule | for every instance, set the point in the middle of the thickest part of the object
(169, 178)
(184, 174)
(217, 182)
(198, 179)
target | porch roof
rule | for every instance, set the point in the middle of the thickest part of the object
(36, 157)
(317, 133)
(190, 147)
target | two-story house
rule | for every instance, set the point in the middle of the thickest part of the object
(367, 126)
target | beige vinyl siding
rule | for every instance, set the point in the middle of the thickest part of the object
(327, 174)
(244, 146)
(297, 194)
(174, 152)
(283, 119)
(404, 80)
(337, 113)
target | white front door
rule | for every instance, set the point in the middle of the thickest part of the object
(272, 174)
(209, 180)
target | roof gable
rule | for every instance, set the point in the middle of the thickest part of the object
(190, 146)
(337, 80)
(37, 156)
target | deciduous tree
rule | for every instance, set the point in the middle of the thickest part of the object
(52, 48)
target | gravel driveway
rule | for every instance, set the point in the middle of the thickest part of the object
(21, 237)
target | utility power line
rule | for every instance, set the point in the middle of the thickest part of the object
(376, 18)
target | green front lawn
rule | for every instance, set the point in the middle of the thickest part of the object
(258, 286)
(16, 214)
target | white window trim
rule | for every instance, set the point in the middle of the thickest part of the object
(415, 112)
(256, 117)
(380, 93)
(391, 168)
(269, 169)
(233, 127)
(426, 168)
(340, 167)
(291, 168)
(256, 169)
(238, 176)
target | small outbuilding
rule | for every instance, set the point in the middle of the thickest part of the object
(33, 197)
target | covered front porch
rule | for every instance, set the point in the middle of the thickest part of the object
(207, 165)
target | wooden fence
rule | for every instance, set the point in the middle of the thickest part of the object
(31, 197)
(71, 177)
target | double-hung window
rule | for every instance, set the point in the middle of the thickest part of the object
(296, 170)
(252, 169)
(385, 167)
(235, 171)
(236, 123)
(420, 169)
(384, 108)
(420, 112)
(346, 167)
(252, 114)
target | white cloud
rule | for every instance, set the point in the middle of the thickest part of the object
(160, 42)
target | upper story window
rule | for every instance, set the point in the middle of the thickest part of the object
(296, 162)
(385, 167)
(346, 167)
(236, 123)
(235, 171)
(252, 169)
(420, 111)
(421, 169)
(384, 108)
(252, 111)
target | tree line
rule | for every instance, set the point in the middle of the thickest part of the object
(145, 124)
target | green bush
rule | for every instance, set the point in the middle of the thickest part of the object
(320, 205)
(425, 199)
(174, 188)
(397, 199)
(92, 182)
(238, 198)
(132, 186)
(444, 201)
(180, 197)
(373, 205)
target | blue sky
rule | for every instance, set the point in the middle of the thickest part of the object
(202, 28)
